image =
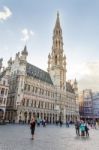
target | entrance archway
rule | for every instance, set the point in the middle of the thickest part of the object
(1, 114)
(25, 116)
(29, 117)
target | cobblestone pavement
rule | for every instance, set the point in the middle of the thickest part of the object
(17, 137)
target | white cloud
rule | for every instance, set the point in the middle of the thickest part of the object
(5, 14)
(31, 32)
(26, 34)
(87, 75)
(77, 70)
(90, 76)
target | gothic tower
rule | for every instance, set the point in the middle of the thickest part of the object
(57, 60)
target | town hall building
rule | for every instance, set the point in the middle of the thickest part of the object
(43, 94)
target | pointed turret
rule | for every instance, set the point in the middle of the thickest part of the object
(49, 62)
(75, 85)
(10, 62)
(8, 69)
(23, 61)
(24, 52)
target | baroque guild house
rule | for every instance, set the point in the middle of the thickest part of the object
(33, 91)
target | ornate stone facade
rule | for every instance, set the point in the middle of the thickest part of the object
(4, 87)
(43, 94)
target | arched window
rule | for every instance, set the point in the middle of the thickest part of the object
(35, 104)
(27, 104)
(56, 43)
(59, 43)
(56, 60)
(23, 102)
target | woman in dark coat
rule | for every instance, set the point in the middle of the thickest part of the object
(32, 127)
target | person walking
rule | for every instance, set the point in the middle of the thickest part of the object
(86, 130)
(68, 122)
(32, 127)
(61, 123)
(38, 122)
(82, 128)
(77, 127)
(44, 123)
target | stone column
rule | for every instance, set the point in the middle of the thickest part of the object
(27, 117)
(52, 118)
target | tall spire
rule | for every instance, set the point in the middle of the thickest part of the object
(57, 20)
(57, 60)
(57, 46)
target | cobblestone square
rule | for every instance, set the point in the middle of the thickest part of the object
(17, 137)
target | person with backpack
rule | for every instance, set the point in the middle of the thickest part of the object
(82, 128)
(86, 130)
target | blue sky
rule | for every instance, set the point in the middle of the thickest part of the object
(31, 22)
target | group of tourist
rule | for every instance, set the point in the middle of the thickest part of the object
(82, 128)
